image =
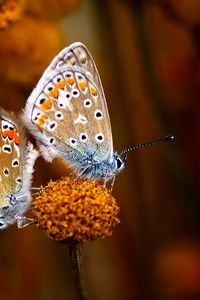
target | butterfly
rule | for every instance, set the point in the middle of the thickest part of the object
(17, 158)
(67, 113)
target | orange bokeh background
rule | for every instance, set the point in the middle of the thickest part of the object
(147, 53)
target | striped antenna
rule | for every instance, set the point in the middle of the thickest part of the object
(164, 139)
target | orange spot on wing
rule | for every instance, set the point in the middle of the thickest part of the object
(60, 85)
(41, 120)
(5, 134)
(12, 135)
(47, 104)
(53, 93)
(16, 137)
(70, 80)
(8, 133)
(93, 91)
(82, 84)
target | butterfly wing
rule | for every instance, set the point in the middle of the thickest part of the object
(10, 162)
(67, 110)
(17, 158)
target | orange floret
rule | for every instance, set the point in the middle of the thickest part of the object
(75, 209)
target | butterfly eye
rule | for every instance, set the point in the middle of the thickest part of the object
(2, 225)
(119, 163)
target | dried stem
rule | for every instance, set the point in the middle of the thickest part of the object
(75, 251)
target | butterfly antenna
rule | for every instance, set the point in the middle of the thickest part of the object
(164, 139)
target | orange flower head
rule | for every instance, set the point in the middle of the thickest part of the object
(75, 209)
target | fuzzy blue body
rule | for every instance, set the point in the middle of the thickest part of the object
(89, 166)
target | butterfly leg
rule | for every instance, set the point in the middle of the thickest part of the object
(84, 171)
(23, 221)
(105, 180)
(104, 183)
(34, 188)
(112, 183)
(37, 189)
(79, 173)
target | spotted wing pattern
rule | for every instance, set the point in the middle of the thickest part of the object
(17, 158)
(10, 158)
(67, 110)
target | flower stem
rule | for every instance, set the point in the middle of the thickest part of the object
(75, 251)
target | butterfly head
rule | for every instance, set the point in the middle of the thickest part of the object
(120, 161)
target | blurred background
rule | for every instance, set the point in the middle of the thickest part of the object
(147, 53)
